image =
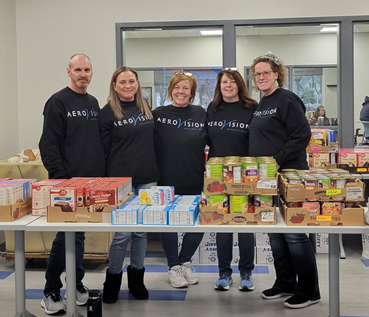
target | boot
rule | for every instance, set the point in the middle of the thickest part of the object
(111, 287)
(136, 284)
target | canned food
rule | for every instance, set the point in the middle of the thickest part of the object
(219, 201)
(350, 178)
(263, 201)
(311, 183)
(232, 158)
(324, 182)
(241, 204)
(294, 180)
(214, 170)
(231, 173)
(313, 207)
(331, 208)
(338, 182)
(293, 204)
(267, 169)
(249, 171)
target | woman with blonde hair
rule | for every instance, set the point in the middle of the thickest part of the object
(180, 139)
(127, 128)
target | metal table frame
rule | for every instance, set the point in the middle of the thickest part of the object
(70, 229)
(19, 227)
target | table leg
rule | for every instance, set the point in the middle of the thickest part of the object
(20, 276)
(334, 276)
(342, 249)
(70, 268)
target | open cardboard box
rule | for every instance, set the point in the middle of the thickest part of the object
(331, 148)
(214, 186)
(55, 213)
(210, 215)
(13, 212)
(297, 192)
(301, 217)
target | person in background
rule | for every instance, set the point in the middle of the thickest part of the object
(319, 113)
(70, 146)
(233, 106)
(364, 112)
(280, 129)
(180, 139)
(127, 129)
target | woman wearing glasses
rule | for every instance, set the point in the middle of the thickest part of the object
(180, 139)
(127, 129)
(232, 106)
(280, 129)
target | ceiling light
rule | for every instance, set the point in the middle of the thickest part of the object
(213, 32)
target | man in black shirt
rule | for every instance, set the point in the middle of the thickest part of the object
(70, 146)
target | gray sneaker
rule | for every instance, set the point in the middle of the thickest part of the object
(81, 295)
(53, 304)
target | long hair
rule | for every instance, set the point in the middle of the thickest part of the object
(114, 101)
(243, 92)
(276, 64)
(182, 76)
(317, 110)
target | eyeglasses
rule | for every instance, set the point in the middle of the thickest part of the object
(183, 73)
(265, 74)
(230, 68)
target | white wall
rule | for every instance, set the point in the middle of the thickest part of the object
(9, 136)
(48, 32)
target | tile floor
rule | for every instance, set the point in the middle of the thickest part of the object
(201, 300)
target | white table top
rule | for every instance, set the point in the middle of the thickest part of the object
(19, 224)
(41, 224)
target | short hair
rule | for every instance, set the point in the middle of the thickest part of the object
(276, 65)
(243, 92)
(78, 54)
(113, 98)
(179, 77)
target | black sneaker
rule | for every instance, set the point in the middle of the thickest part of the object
(297, 301)
(273, 293)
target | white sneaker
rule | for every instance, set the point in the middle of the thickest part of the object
(53, 304)
(188, 273)
(175, 277)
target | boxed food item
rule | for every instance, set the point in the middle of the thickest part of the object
(17, 210)
(301, 217)
(320, 159)
(153, 196)
(347, 156)
(319, 137)
(168, 193)
(320, 242)
(264, 254)
(155, 215)
(261, 216)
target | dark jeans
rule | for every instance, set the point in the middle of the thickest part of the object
(169, 241)
(294, 257)
(56, 262)
(246, 242)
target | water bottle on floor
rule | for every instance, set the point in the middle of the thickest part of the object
(94, 307)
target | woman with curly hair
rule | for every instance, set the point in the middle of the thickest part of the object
(319, 113)
(280, 129)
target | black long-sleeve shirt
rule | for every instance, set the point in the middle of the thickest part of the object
(228, 129)
(280, 129)
(129, 144)
(70, 144)
(180, 139)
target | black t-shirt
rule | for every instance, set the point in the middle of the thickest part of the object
(180, 139)
(70, 144)
(280, 129)
(129, 144)
(228, 129)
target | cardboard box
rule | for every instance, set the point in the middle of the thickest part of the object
(209, 237)
(264, 254)
(214, 186)
(301, 217)
(208, 255)
(316, 148)
(262, 239)
(320, 242)
(21, 208)
(263, 216)
(82, 214)
(298, 193)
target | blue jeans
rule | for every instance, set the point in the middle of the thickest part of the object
(169, 241)
(56, 262)
(294, 257)
(120, 241)
(246, 242)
